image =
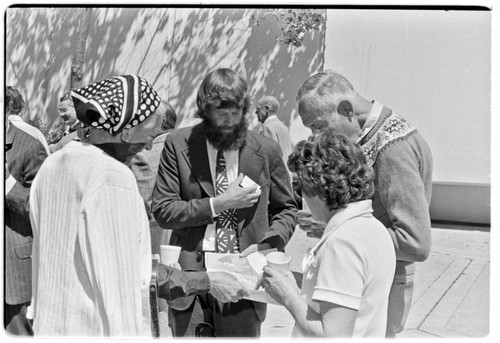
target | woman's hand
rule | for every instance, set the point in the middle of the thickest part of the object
(280, 287)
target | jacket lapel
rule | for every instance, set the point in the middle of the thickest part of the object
(197, 158)
(251, 162)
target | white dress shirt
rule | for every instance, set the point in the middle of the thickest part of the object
(232, 163)
(371, 120)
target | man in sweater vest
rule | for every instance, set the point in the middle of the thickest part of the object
(402, 162)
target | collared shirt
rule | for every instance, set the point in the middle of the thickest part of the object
(271, 118)
(371, 120)
(352, 266)
(232, 163)
(72, 128)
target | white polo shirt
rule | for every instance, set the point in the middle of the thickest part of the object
(353, 266)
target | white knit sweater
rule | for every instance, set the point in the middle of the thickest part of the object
(91, 247)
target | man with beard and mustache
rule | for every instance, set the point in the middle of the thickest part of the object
(198, 195)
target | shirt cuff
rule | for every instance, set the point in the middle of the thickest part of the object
(212, 208)
(175, 283)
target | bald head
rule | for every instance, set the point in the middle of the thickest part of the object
(271, 102)
(266, 106)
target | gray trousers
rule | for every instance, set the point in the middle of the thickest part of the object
(400, 299)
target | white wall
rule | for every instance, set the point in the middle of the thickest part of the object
(433, 67)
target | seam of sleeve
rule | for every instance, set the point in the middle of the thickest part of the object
(335, 297)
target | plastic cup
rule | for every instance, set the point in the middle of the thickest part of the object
(279, 261)
(169, 254)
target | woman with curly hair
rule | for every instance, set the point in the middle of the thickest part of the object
(348, 274)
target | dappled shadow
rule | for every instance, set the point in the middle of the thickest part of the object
(288, 68)
(173, 48)
(38, 46)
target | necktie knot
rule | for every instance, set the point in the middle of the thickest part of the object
(221, 162)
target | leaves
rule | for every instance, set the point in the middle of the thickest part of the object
(52, 135)
(294, 23)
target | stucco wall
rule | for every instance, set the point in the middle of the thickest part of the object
(173, 48)
(434, 67)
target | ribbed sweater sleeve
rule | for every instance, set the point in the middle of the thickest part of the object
(113, 258)
(402, 193)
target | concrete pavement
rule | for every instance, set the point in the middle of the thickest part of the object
(452, 289)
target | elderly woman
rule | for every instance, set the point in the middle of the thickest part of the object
(348, 274)
(91, 249)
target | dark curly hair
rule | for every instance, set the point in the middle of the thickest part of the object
(222, 88)
(14, 102)
(332, 168)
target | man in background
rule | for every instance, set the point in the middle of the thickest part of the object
(25, 151)
(144, 165)
(267, 113)
(67, 112)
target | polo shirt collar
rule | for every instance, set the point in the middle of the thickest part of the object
(271, 118)
(372, 119)
(354, 209)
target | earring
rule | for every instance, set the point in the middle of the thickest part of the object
(88, 133)
(125, 136)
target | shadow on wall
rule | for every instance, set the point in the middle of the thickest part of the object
(37, 50)
(173, 48)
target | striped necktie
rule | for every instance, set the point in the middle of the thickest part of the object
(226, 224)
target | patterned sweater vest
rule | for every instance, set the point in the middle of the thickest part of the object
(389, 128)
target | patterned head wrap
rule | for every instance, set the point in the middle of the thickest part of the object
(115, 104)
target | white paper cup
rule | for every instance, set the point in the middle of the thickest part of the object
(169, 254)
(279, 261)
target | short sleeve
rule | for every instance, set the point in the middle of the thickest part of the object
(340, 277)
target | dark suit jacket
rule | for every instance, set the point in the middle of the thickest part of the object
(184, 186)
(23, 159)
(144, 165)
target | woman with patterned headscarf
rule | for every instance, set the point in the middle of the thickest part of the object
(92, 249)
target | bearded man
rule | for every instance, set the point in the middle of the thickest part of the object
(198, 195)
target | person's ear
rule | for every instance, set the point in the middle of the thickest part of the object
(345, 109)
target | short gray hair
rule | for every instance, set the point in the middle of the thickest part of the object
(324, 90)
